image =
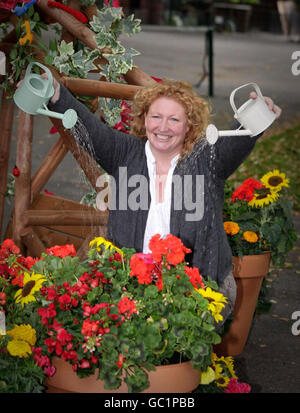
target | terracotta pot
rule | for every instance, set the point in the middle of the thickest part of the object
(173, 378)
(248, 272)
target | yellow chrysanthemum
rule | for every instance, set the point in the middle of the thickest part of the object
(23, 332)
(31, 284)
(98, 241)
(18, 348)
(275, 180)
(231, 228)
(216, 302)
(250, 236)
(262, 198)
(207, 376)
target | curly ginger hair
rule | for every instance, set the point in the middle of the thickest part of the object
(196, 108)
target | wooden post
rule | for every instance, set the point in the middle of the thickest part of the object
(66, 35)
(34, 245)
(50, 163)
(22, 183)
(50, 217)
(6, 122)
(100, 88)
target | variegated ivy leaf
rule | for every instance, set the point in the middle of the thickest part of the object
(78, 59)
(101, 22)
(129, 25)
(121, 63)
(66, 48)
(105, 18)
(115, 12)
(105, 39)
(62, 67)
(111, 110)
(106, 72)
(93, 54)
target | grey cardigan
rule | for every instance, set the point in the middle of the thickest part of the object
(206, 237)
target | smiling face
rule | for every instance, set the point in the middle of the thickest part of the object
(166, 126)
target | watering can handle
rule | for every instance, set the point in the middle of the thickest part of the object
(257, 89)
(49, 74)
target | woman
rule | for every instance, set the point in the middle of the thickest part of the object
(182, 177)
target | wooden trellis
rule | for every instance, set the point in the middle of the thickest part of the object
(38, 220)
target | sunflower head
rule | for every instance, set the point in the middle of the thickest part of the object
(31, 284)
(101, 244)
(275, 180)
(262, 197)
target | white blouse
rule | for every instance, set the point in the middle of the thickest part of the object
(158, 221)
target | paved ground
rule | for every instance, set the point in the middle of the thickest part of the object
(270, 362)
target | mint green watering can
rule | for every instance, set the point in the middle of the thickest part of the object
(34, 94)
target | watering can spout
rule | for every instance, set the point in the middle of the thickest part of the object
(35, 92)
(213, 134)
(69, 118)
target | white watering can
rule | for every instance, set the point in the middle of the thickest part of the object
(254, 116)
(35, 92)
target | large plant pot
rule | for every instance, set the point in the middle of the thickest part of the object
(248, 272)
(173, 378)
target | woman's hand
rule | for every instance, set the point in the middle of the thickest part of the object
(274, 108)
(56, 86)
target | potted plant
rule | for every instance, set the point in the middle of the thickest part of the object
(259, 225)
(115, 318)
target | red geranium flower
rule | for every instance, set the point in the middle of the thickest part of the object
(126, 306)
(62, 250)
(246, 190)
(195, 277)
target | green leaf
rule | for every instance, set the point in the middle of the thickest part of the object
(130, 25)
(66, 49)
(104, 40)
(151, 292)
(49, 60)
(138, 381)
(102, 22)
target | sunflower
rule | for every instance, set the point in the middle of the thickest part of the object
(31, 284)
(215, 302)
(250, 236)
(18, 348)
(263, 197)
(275, 180)
(231, 228)
(23, 332)
(107, 245)
(221, 379)
(224, 369)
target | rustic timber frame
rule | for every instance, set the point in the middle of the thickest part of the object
(38, 220)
